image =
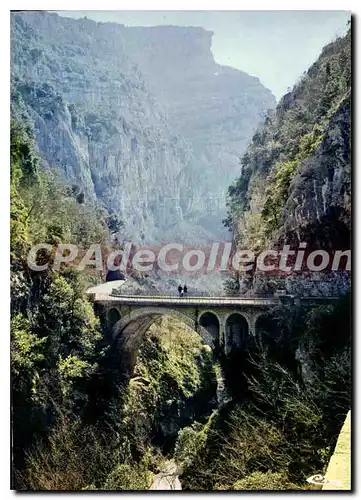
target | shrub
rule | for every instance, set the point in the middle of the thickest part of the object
(127, 477)
(261, 481)
(190, 441)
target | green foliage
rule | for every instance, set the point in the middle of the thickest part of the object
(42, 97)
(55, 336)
(190, 441)
(280, 178)
(27, 349)
(23, 162)
(72, 323)
(60, 217)
(261, 481)
(231, 285)
(71, 368)
(284, 425)
(18, 223)
(127, 477)
(77, 457)
(113, 223)
(173, 373)
(276, 194)
(23, 171)
(248, 444)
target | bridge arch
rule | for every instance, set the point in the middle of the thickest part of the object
(211, 322)
(152, 313)
(237, 327)
(147, 316)
(129, 331)
(263, 322)
(113, 316)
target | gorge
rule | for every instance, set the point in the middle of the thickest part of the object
(138, 131)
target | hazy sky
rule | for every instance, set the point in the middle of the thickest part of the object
(275, 46)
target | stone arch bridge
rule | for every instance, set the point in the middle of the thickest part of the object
(222, 322)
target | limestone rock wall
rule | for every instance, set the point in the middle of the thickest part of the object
(142, 119)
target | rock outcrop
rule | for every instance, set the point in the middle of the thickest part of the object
(320, 193)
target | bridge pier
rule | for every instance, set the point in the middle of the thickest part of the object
(222, 337)
(253, 320)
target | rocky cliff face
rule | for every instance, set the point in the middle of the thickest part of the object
(141, 119)
(295, 184)
(319, 203)
(213, 107)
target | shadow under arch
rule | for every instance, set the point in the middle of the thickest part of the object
(211, 323)
(113, 317)
(237, 330)
(128, 333)
(265, 325)
(275, 336)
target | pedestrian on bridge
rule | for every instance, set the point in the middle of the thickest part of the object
(180, 290)
(185, 289)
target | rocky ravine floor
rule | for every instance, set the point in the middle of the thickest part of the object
(168, 479)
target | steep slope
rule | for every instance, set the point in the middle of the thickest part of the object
(302, 155)
(101, 115)
(95, 119)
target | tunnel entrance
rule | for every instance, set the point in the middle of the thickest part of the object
(210, 322)
(236, 330)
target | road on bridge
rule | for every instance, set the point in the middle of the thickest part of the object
(190, 301)
(105, 293)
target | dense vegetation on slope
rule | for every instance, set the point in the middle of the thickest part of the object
(55, 337)
(173, 383)
(291, 391)
(295, 184)
(76, 423)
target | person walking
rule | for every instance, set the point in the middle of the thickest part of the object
(180, 290)
(185, 289)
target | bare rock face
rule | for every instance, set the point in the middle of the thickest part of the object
(213, 107)
(319, 203)
(141, 119)
(295, 185)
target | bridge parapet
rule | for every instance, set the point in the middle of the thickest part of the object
(338, 475)
(193, 301)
